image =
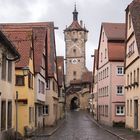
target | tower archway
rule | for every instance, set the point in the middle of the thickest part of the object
(74, 104)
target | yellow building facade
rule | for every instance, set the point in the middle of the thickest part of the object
(24, 79)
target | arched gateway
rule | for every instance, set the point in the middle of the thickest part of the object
(78, 78)
(74, 103)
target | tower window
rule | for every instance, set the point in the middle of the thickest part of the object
(74, 73)
(74, 50)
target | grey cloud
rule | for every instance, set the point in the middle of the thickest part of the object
(92, 12)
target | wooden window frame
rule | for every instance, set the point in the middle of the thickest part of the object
(23, 80)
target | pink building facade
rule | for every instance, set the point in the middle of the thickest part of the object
(111, 100)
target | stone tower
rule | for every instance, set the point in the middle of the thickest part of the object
(75, 39)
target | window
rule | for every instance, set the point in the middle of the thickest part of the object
(128, 79)
(3, 115)
(9, 115)
(30, 80)
(119, 90)
(107, 71)
(106, 110)
(134, 76)
(3, 74)
(120, 70)
(103, 74)
(131, 78)
(40, 111)
(138, 75)
(74, 73)
(74, 51)
(19, 80)
(131, 49)
(105, 53)
(41, 86)
(48, 84)
(46, 110)
(130, 107)
(10, 71)
(31, 114)
(120, 110)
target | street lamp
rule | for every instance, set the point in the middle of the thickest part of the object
(25, 70)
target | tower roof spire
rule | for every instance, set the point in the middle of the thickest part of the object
(75, 14)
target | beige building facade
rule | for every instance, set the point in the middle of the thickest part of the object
(132, 66)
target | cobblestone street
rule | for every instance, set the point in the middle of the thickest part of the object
(79, 127)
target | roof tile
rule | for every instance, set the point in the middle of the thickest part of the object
(114, 31)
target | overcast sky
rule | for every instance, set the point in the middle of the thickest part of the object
(92, 12)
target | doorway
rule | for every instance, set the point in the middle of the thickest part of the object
(135, 114)
(74, 103)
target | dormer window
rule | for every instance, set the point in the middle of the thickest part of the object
(74, 52)
(131, 49)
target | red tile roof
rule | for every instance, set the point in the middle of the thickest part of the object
(87, 77)
(114, 31)
(73, 82)
(60, 67)
(95, 62)
(23, 42)
(134, 9)
(50, 41)
(116, 51)
(39, 38)
(7, 44)
(75, 26)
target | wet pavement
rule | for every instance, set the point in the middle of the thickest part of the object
(78, 126)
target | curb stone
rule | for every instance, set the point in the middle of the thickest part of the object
(109, 131)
